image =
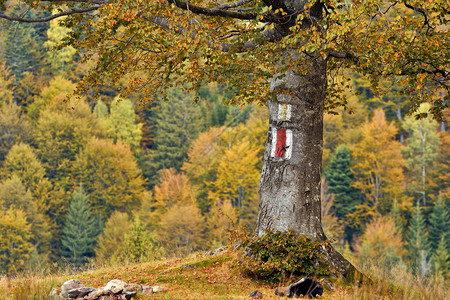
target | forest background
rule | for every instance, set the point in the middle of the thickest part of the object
(106, 179)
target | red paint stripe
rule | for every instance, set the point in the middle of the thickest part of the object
(281, 143)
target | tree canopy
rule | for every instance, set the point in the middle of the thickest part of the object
(163, 43)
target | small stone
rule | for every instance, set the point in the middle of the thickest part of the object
(80, 292)
(189, 267)
(256, 295)
(68, 285)
(147, 290)
(132, 287)
(116, 286)
(107, 298)
(282, 291)
(158, 289)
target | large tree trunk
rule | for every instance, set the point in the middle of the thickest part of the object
(291, 175)
(290, 185)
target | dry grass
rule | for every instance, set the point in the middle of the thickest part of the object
(214, 278)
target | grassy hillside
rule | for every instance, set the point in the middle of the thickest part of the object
(212, 278)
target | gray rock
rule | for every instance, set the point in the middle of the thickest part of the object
(116, 286)
(306, 287)
(158, 289)
(68, 285)
(101, 291)
(147, 290)
(256, 295)
(107, 298)
(189, 267)
(80, 292)
(132, 287)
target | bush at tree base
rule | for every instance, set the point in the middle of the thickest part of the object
(277, 256)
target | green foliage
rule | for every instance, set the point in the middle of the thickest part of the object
(178, 124)
(276, 256)
(121, 123)
(441, 259)
(80, 230)
(139, 243)
(418, 244)
(439, 225)
(22, 43)
(420, 152)
(60, 59)
(340, 184)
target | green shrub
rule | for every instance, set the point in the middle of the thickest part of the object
(277, 256)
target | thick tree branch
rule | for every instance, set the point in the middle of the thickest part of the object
(422, 12)
(215, 11)
(51, 17)
(341, 54)
(233, 4)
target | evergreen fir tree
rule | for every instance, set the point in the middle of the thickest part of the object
(418, 244)
(340, 179)
(80, 230)
(396, 215)
(178, 123)
(441, 259)
(439, 225)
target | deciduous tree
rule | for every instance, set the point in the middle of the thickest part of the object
(110, 175)
(15, 245)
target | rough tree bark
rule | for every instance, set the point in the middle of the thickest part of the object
(291, 176)
(290, 184)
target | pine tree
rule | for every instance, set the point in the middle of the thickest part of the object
(80, 230)
(340, 180)
(418, 244)
(439, 225)
(178, 124)
(441, 259)
(22, 44)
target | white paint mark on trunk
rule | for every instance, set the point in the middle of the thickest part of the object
(289, 144)
(284, 112)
